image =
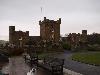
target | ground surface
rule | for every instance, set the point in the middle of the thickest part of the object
(90, 58)
(82, 68)
(17, 66)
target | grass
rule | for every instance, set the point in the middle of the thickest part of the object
(42, 55)
(47, 54)
(89, 58)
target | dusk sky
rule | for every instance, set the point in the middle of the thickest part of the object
(76, 15)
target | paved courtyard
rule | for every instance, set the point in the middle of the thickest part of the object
(17, 66)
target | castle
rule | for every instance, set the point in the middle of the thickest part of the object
(16, 36)
(76, 40)
(49, 32)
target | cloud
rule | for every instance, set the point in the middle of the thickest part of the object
(25, 14)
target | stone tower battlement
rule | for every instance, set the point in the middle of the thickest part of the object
(49, 21)
(50, 30)
(84, 32)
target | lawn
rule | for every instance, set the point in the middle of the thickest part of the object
(42, 55)
(48, 54)
(89, 58)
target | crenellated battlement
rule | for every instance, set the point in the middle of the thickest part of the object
(49, 21)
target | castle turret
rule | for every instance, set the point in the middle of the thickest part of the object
(84, 36)
(11, 34)
(84, 32)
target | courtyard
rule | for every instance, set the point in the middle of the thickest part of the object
(74, 61)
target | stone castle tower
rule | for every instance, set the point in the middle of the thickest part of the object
(11, 34)
(84, 36)
(50, 30)
(84, 32)
(17, 37)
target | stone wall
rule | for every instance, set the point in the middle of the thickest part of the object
(50, 30)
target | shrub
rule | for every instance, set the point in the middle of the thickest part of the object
(66, 46)
(93, 47)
